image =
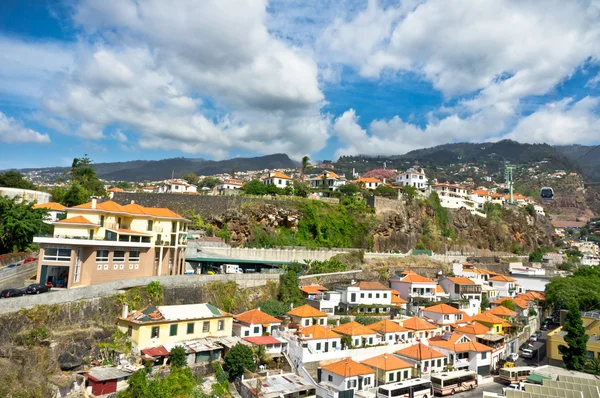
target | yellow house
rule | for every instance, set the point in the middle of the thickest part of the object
(494, 322)
(156, 326)
(555, 338)
(389, 368)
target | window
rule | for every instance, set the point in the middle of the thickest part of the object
(589, 355)
(55, 254)
(155, 332)
(134, 255)
(362, 295)
(484, 355)
(257, 329)
(446, 317)
(101, 256)
(149, 225)
(119, 255)
(330, 378)
(391, 377)
(333, 344)
(376, 295)
(370, 295)
(367, 381)
(497, 329)
(307, 322)
(357, 342)
(322, 322)
(190, 328)
(439, 363)
(173, 330)
(406, 374)
(101, 221)
(115, 267)
(384, 295)
(221, 325)
(370, 340)
(247, 333)
(206, 327)
(318, 346)
(353, 297)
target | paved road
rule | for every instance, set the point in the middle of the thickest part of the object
(540, 358)
(478, 392)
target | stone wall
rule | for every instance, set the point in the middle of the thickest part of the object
(381, 205)
(285, 255)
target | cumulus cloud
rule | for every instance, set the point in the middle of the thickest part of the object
(13, 131)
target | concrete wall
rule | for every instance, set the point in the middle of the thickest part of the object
(108, 289)
(272, 254)
(382, 205)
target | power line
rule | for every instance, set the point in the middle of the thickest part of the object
(585, 154)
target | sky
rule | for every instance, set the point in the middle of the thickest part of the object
(153, 79)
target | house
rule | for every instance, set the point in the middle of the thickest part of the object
(277, 385)
(495, 323)
(306, 315)
(311, 291)
(106, 380)
(324, 301)
(389, 368)
(424, 358)
(413, 286)
(230, 186)
(254, 323)
(346, 375)
(369, 182)
(440, 294)
(397, 300)
(275, 347)
(477, 275)
(278, 179)
(420, 328)
(556, 338)
(390, 332)
(55, 211)
(482, 334)
(413, 177)
(319, 339)
(464, 353)
(149, 189)
(361, 335)
(177, 185)
(328, 180)
(461, 288)
(444, 316)
(521, 306)
(504, 285)
(155, 326)
(102, 242)
(502, 312)
(366, 297)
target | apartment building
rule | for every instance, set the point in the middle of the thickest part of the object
(101, 242)
(366, 297)
(461, 288)
(411, 285)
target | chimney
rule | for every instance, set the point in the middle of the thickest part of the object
(291, 306)
(133, 202)
(258, 308)
(337, 322)
(125, 310)
(94, 202)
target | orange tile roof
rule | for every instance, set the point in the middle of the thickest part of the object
(129, 231)
(502, 278)
(420, 351)
(278, 174)
(465, 318)
(398, 300)
(110, 206)
(370, 286)
(330, 174)
(387, 362)
(306, 311)
(50, 206)
(115, 189)
(76, 220)
(134, 208)
(348, 368)
(311, 289)
(474, 328)
(461, 280)
(416, 323)
(395, 292)
(501, 311)
(256, 317)
(486, 317)
(161, 212)
(439, 289)
(407, 271)
(369, 179)
(413, 278)
(387, 326)
(519, 303)
(453, 345)
(481, 192)
(318, 332)
(442, 309)
(353, 329)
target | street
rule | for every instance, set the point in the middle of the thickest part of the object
(478, 392)
(540, 358)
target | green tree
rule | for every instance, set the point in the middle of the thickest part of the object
(192, 178)
(125, 185)
(289, 285)
(593, 366)
(304, 166)
(75, 195)
(349, 189)
(14, 179)
(238, 359)
(255, 187)
(386, 191)
(510, 305)
(178, 357)
(137, 386)
(83, 173)
(485, 302)
(575, 351)
(19, 223)
(274, 308)
(300, 189)
(272, 189)
(537, 255)
(209, 182)
(347, 341)
(409, 191)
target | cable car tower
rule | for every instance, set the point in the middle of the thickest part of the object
(508, 178)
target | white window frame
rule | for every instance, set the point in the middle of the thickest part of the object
(58, 258)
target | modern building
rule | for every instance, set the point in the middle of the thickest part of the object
(346, 375)
(56, 211)
(556, 338)
(305, 315)
(328, 180)
(389, 368)
(413, 177)
(101, 242)
(254, 323)
(156, 326)
(278, 179)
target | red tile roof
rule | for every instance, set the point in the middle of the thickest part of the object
(312, 289)
(486, 317)
(262, 340)
(474, 328)
(353, 329)
(398, 300)
(50, 206)
(413, 278)
(502, 278)
(442, 309)
(416, 323)
(387, 362)
(348, 368)
(502, 311)
(460, 280)
(255, 317)
(420, 351)
(159, 351)
(306, 311)
(451, 343)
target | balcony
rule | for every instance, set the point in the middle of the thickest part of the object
(86, 241)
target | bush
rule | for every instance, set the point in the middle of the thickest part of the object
(345, 319)
(366, 320)
(238, 359)
(274, 308)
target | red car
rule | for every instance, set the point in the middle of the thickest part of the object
(29, 260)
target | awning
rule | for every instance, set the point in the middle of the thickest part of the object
(156, 351)
(537, 379)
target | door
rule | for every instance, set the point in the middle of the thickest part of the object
(360, 380)
(327, 346)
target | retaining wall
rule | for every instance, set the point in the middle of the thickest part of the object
(110, 288)
(284, 255)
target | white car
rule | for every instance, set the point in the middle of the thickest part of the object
(512, 357)
(533, 337)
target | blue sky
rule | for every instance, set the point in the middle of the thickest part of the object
(222, 78)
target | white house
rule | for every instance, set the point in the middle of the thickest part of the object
(346, 375)
(177, 186)
(275, 347)
(390, 332)
(420, 329)
(254, 323)
(230, 185)
(278, 179)
(325, 301)
(369, 182)
(362, 336)
(306, 315)
(389, 368)
(366, 297)
(444, 316)
(328, 180)
(413, 177)
(411, 285)
(462, 288)
(456, 197)
(55, 210)
(320, 339)
(483, 334)
(463, 352)
(424, 358)
(504, 285)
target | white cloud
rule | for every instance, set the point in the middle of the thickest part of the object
(13, 131)
(118, 135)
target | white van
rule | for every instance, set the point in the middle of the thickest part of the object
(527, 353)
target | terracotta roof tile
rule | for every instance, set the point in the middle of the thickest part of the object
(318, 332)
(442, 309)
(486, 317)
(306, 311)
(76, 220)
(111, 206)
(398, 300)
(439, 289)
(369, 179)
(387, 326)
(451, 342)
(347, 368)
(502, 278)
(413, 278)
(474, 328)
(387, 362)
(278, 174)
(50, 206)
(312, 289)
(416, 323)
(502, 311)
(460, 280)
(353, 329)
(420, 351)
(370, 286)
(255, 317)
(262, 340)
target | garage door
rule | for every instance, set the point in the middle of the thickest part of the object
(483, 370)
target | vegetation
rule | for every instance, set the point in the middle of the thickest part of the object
(325, 266)
(178, 383)
(580, 288)
(366, 320)
(575, 351)
(84, 183)
(289, 290)
(485, 302)
(239, 359)
(347, 342)
(409, 191)
(14, 179)
(254, 187)
(274, 308)
(191, 178)
(19, 223)
(510, 305)
(304, 166)
(537, 255)
(386, 191)
(177, 357)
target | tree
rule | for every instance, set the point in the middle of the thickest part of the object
(178, 357)
(75, 195)
(19, 223)
(14, 179)
(124, 185)
(593, 366)
(192, 178)
(300, 189)
(274, 308)
(255, 187)
(272, 189)
(304, 166)
(261, 355)
(575, 351)
(83, 173)
(537, 255)
(238, 359)
(511, 305)
(347, 341)
(386, 191)
(209, 182)
(485, 302)
(137, 385)
(289, 290)
(409, 191)
(232, 173)
(349, 189)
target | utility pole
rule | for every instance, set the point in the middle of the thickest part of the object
(508, 177)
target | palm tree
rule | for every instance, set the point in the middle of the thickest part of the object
(261, 356)
(305, 166)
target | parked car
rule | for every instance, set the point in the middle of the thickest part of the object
(512, 357)
(533, 337)
(14, 265)
(37, 288)
(7, 293)
(29, 260)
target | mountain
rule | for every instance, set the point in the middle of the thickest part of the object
(153, 170)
